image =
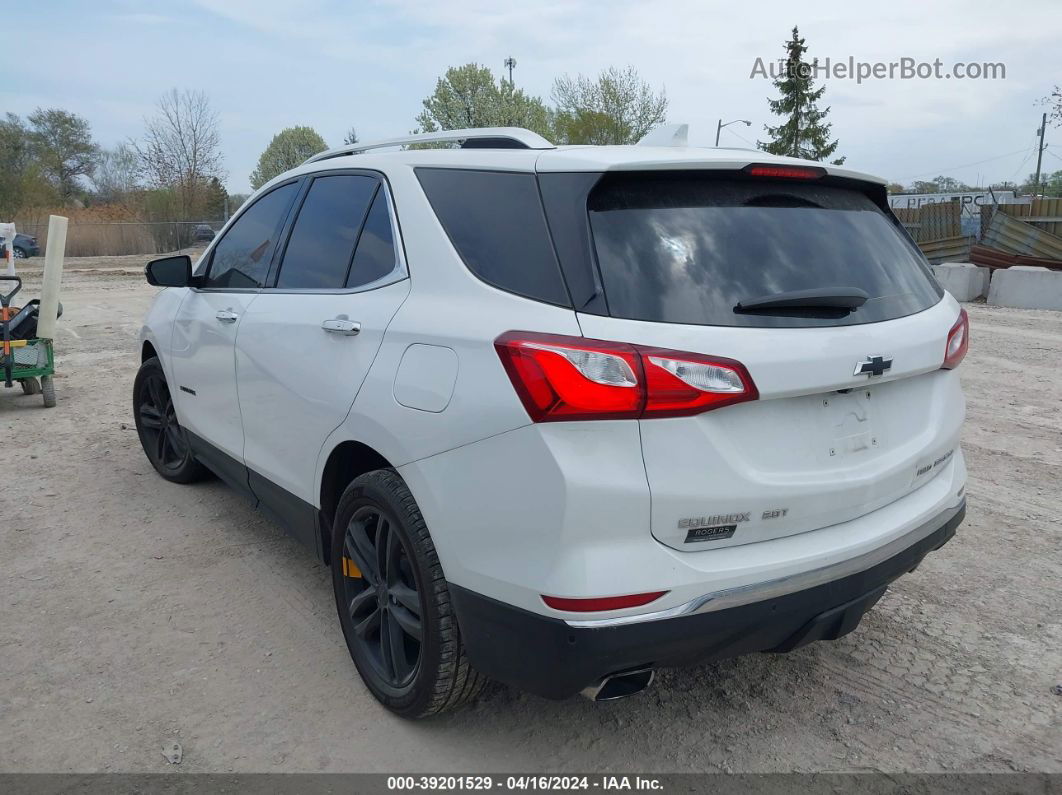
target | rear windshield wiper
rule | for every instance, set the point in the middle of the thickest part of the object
(820, 298)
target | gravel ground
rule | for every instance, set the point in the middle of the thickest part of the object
(135, 613)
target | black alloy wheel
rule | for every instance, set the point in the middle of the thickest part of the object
(394, 603)
(164, 440)
(383, 599)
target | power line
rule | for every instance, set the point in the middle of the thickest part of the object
(967, 165)
(743, 138)
(1028, 153)
(1017, 171)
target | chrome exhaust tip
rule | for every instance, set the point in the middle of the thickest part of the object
(621, 685)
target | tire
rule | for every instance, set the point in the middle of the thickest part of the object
(20, 253)
(48, 391)
(30, 386)
(164, 441)
(378, 507)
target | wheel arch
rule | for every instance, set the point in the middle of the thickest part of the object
(147, 350)
(346, 461)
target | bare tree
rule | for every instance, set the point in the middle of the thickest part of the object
(181, 148)
(117, 173)
(1054, 102)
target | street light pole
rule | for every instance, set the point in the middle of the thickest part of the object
(719, 127)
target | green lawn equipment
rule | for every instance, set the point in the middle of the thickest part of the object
(25, 358)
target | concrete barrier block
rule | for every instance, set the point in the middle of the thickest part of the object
(1026, 287)
(964, 280)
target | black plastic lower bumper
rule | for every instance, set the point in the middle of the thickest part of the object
(546, 656)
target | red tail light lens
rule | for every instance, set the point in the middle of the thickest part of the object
(785, 172)
(958, 342)
(568, 378)
(598, 604)
(572, 378)
(679, 384)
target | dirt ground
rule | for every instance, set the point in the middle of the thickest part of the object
(135, 613)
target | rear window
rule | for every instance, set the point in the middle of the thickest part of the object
(495, 221)
(689, 248)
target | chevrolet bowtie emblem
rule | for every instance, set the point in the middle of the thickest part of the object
(874, 365)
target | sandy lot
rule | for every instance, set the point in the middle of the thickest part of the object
(135, 613)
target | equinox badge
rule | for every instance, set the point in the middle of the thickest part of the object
(874, 365)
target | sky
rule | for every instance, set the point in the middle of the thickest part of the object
(271, 64)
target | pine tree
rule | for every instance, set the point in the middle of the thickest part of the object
(805, 133)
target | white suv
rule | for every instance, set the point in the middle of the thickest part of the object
(559, 416)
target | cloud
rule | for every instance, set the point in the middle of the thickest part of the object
(271, 63)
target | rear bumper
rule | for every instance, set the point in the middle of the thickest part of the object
(556, 659)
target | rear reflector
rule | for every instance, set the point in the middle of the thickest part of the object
(785, 172)
(598, 604)
(572, 378)
(958, 342)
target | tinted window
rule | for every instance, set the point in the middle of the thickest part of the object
(241, 258)
(495, 221)
(322, 240)
(687, 249)
(375, 257)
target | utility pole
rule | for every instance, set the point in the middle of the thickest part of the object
(1040, 151)
(510, 63)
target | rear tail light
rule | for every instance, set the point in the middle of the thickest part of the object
(567, 378)
(571, 378)
(958, 342)
(680, 384)
(598, 604)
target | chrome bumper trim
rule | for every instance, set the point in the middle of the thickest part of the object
(770, 589)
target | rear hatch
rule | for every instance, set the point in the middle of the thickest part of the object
(853, 409)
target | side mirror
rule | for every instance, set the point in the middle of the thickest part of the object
(170, 271)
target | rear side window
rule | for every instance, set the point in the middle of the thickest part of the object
(495, 221)
(375, 257)
(688, 248)
(321, 245)
(241, 258)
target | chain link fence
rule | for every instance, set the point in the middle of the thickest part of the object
(116, 238)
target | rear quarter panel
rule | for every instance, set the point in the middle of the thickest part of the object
(450, 308)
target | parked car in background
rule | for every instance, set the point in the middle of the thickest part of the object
(560, 416)
(23, 246)
(202, 233)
